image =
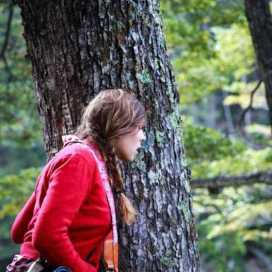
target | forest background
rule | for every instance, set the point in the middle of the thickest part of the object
(226, 130)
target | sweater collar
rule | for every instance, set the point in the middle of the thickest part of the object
(71, 138)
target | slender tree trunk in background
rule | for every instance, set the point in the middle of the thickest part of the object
(78, 48)
(260, 24)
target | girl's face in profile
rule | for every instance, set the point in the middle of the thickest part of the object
(126, 145)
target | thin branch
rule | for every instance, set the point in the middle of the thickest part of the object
(7, 34)
(6, 42)
(250, 106)
(234, 181)
(10, 75)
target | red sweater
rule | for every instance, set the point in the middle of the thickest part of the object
(68, 217)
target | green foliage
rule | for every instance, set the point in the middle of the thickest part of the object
(259, 134)
(209, 51)
(14, 189)
(249, 161)
(7, 249)
(235, 56)
(230, 221)
(225, 252)
(20, 129)
(14, 158)
(206, 144)
(19, 122)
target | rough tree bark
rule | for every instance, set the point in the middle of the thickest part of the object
(260, 24)
(78, 48)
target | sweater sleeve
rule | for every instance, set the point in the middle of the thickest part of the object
(19, 226)
(68, 185)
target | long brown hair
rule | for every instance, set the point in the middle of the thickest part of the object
(111, 114)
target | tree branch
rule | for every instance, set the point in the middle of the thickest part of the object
(6, 42)
(10, 76)
(7, 34)
(250, 106)
(235, 181)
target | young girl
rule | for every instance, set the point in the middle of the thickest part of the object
(69, 220)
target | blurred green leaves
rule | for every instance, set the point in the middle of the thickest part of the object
(206, 144)
(231, 221)
(210, 46)
(14, 190)
(19, 122)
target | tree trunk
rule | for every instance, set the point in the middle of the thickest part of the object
(78, 48)
(260, 24)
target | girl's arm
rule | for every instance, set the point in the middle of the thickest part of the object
(19, 226)
(69, 184)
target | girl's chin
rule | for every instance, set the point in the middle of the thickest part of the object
(129, 157)
(126, 156)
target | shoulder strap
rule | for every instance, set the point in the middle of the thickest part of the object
(111, 241)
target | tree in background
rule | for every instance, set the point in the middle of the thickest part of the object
(78, 48)
(259, 18)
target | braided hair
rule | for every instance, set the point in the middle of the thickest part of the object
(111, 114)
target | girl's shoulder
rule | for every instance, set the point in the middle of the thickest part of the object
(79, 150)
(73, 153)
